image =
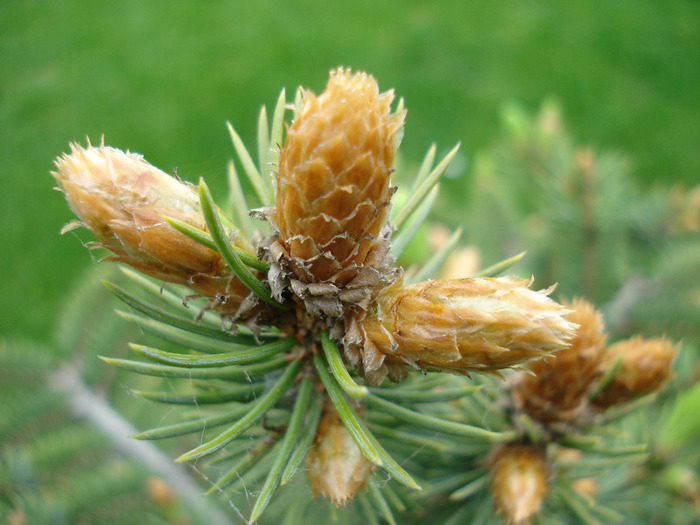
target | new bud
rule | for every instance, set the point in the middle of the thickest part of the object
(333, 185)
(645, 366)
(519, 482)
(122, 199)
(559, 384)
(337, 467)
(460, 326)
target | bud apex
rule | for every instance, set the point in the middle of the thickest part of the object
(337, 467)
(460, 326)
(122, 199)
(646, 365)
(519, 484)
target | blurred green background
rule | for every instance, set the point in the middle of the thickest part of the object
(162, 78)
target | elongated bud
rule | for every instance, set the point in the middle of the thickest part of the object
(337, 467)
(645, 366)
(519, 482)
(559, 384)
(333, 184)
(461, 326)
(122, 199)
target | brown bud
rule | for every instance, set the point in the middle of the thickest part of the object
(460, 326)
(685, 209)
(333, 184)
(560, 383)
(645, 366)
(122, 199)
(337, 467)
(160, 492)
(586, 486)
(519, 482)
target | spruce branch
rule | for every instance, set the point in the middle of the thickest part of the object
(304, 316)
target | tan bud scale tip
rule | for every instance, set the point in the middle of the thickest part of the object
(519, 482)
(645, 366)
(560, 383)
(464, 325)
(122, 199)
(333, 182)
(337, 467)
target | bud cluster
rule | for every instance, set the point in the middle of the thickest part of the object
(560, 395)
(326, 276)
(564, 390)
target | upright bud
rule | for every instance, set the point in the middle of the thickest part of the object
(645, 365)
(337, 467)
(122, 199)
(333, 184)
(460, 326)
(559, 384)
(519, 482)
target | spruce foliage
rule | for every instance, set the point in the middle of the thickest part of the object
(251, 400)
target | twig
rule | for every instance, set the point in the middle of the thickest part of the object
(86, 404)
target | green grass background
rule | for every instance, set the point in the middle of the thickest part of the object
(162, 77)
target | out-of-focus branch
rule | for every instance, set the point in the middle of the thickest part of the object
(84, 403)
